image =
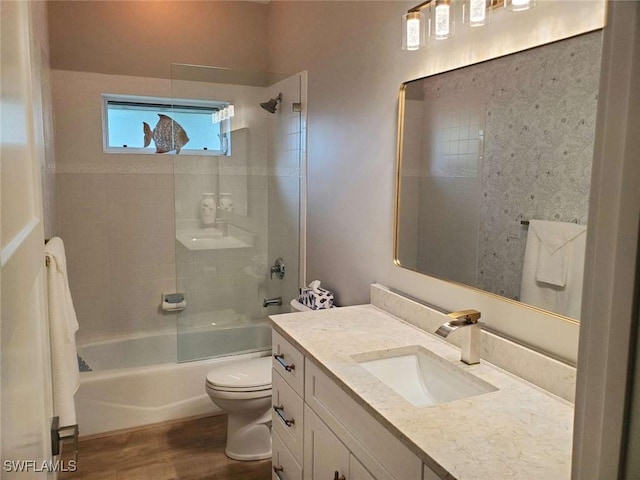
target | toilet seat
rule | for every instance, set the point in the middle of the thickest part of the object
(237, 395)
(219, 388)
(241, 377)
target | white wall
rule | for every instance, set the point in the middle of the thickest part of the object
(352, 53)
(610, 309)
(143, 38)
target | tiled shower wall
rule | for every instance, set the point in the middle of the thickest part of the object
(116, 213)
(118, 232)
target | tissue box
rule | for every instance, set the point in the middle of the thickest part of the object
(316, 300)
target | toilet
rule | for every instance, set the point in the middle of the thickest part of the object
(242, 389)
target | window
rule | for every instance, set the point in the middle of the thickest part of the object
(192, 127)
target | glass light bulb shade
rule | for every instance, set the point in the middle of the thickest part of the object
(520, 5)
(476, 13)
(442, 20)
(413, 32)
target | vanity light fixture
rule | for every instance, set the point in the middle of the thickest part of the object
(413, 31)
(519, 5)
(441, 18)
(476, 13)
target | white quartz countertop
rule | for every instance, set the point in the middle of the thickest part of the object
(517, 432)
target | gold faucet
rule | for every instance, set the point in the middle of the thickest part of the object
(468, 321)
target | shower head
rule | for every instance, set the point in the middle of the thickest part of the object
(272, 105)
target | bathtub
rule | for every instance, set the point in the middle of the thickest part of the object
(136, 381)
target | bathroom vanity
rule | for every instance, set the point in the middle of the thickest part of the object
(344, 407)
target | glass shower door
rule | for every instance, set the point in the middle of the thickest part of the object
(236, 209)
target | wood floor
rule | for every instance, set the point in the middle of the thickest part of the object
(189, 450)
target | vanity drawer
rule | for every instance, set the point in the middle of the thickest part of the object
(288, 362)
(377, 448)
(283, 465)
(287, 415)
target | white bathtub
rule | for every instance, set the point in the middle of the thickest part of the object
(135, 381)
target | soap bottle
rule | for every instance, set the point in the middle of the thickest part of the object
(208, 210)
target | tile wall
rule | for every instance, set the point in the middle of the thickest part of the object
(117, 216)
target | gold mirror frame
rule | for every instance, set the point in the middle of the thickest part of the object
(398, 204)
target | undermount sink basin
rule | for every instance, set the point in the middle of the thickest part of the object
(421, 377)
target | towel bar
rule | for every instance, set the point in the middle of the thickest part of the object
(526, 222)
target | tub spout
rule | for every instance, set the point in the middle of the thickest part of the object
(267, 302)
(467, 321)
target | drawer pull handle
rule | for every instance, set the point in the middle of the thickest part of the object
(278, 471)
(279, 410)
(341, 477)
(280, 358)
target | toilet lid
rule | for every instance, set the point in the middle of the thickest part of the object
(254, 374)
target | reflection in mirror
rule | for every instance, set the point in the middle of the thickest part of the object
(485, 153)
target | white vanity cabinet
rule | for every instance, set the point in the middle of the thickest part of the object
(326, 457)
(319, 429)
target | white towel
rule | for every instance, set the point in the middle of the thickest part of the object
(565, 300)
(63, 325)
(554, 259)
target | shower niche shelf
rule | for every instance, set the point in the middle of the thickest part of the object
(213, 238)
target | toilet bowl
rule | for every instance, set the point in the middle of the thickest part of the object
(243, 390)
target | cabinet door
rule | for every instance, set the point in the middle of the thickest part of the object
(357, 470)
(288, 417)
(283, 464)
(324, 454)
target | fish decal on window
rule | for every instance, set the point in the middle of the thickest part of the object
(168, 135)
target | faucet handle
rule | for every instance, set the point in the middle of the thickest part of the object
(464, 317)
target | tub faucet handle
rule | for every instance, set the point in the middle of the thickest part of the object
(277, 269)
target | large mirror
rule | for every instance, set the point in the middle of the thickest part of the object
(494, 169)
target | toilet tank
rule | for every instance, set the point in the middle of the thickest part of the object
(296, 306)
